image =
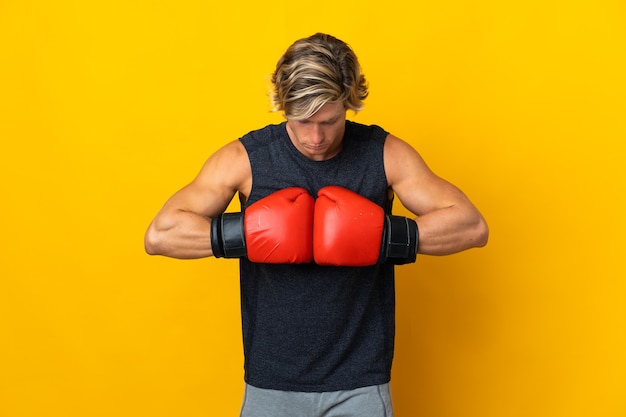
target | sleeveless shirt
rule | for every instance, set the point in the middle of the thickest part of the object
(307, 327)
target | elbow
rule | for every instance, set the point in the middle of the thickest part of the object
(151, 242)
(150, 249)
(482, 233)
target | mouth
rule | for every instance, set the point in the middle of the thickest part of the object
(315, 147)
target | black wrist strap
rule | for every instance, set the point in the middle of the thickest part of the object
(400, 240)
(227, 236)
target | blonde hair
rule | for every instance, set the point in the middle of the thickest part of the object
(314, 71)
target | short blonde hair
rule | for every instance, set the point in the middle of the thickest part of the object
(314, 71)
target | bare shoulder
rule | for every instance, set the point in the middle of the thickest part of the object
(228, 169)
(403, 162)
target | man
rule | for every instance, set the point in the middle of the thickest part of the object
(316, 238)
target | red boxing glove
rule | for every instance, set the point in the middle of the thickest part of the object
(277, 229)
(350, 230)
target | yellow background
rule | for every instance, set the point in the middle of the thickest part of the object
(108, 107)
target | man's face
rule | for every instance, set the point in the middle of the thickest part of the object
(320, 136)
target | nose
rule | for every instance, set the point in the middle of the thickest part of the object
(316, 136)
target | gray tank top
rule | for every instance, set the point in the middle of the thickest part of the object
(317, 328)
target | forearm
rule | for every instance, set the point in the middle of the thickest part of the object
(181, 234)
(450, 230)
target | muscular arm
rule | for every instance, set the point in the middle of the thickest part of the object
(448, 222)
(181, 229)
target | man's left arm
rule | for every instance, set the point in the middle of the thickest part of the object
(447, 220)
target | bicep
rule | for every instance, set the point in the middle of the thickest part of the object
(225, 173)
(418, 188)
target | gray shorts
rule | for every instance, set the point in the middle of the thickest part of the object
(374, 401)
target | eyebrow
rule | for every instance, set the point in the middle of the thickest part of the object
(332, 119)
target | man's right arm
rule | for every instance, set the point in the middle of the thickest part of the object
(182, 228)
